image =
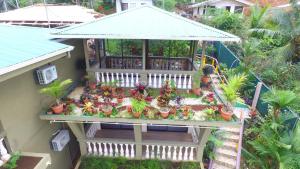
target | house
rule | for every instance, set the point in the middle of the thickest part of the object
(49, 15)
(234, 6)
(23, 50)
(122, 5)
(152, 47)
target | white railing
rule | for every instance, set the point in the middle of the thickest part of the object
(92, 130)
(174, 153)
(182, 81)
(111, 149)
(121, 79)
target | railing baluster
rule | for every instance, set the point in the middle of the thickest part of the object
(105, 149)
(111, 152)
(175, 153)
(117, 77)
(97, 77)
(127, 80)
(190, 82)
(94, 148)
(159, 81)
(116, 150)
(191, 157)
(149, 80)
(184, 82)
(179, 82)
(180, 153)
(127, 151)
(107, 77)
(122, 80)
(112, 77)
(132, 80)
(99, 149)
(158, 152)
(121, 150)
(170, 76)
(136, 78)
(169, 152)
(132, 151)
(147, 151)
(152, 152)
(185, 156)
(163, 152)
(89, 147)
(165, 77)
(174, 78)
(102, 77)
(154, 81)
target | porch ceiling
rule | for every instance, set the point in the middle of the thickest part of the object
(145, 22)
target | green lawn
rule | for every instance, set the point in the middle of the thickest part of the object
(123, 163)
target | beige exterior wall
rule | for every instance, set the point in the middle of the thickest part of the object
(21, 103)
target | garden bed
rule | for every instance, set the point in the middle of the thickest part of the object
(123, 163)
(27, 162)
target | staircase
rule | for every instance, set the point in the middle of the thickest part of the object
(228, 155)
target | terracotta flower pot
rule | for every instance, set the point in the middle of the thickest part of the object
(93, 86)
(58, 109)
(129, 109)
(226, 115)
(173, 110)
(164, 112)
(119, 100)
(197, 91)
(136, 114)
(107, 110)
(205, 79)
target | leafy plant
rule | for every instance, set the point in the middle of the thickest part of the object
(231, 89)
(56, 89)
(138, 105)
(280, 99)
(12, 163)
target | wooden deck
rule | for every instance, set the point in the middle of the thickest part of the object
(150, 135)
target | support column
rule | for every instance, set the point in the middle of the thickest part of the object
(195, 48)
(78, 131)
(86, 54)
(138, 141)
(203, 137)
(203, 58)
(256, 95)
(144, 58)
(97, 50)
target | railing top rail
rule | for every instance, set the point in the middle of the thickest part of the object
(141, 71)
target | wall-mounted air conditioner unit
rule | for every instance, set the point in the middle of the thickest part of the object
(46, 74)
(60, 140)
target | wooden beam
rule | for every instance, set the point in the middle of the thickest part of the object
(138, 140)
(203, 137)
(97, 50)
(256, 95)
(86, 54)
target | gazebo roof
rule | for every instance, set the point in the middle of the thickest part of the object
(145, 22)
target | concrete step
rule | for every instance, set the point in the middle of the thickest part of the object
(225, 161)
(225, 152)
(230, 137)
(234, 130)
(218, 166)
(230, 145)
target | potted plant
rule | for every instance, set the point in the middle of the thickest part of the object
(164, 112)
(173, 110)
(205, 79)
(56, 90)
(186, 110)
(107, 109)
(91, 84)
(196, 83)
(138, 107)
(89, 109)
(231, 94)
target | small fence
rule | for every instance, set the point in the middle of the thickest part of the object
(225, 56)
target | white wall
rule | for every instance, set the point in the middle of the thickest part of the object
(219, 5)
(132, 3)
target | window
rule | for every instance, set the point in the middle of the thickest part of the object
(228, 8)
(124, 6)
(238, 9)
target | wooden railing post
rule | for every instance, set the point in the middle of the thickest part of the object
(138, 141)
(256, 95)
(78, 131)
(203, 137)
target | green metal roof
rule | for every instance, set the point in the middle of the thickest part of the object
(145, 22)
(19, 44)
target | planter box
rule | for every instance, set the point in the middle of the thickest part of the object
(33, 161)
